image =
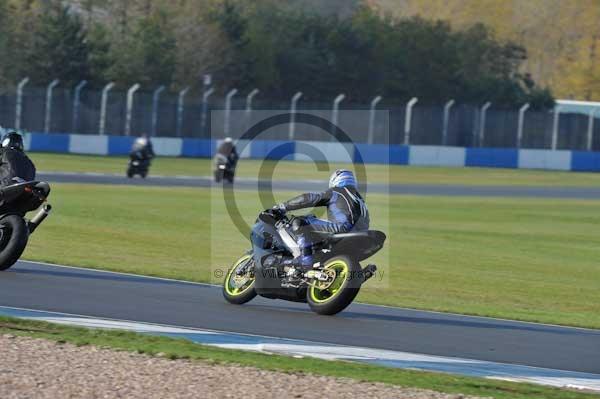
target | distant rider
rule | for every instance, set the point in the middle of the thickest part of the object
(142, 149)
(228, 150)
(346, 211)
(15, 165)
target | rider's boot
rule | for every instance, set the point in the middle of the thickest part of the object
(298, 266)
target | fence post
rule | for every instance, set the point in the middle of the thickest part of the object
(446, 120)
(522, 111)
(335, 110)
(590, 129)
(483, 112)
(408, 119)
(555, 125)
(19, 106)
(128, 115)
(249, 99)
(248, 111)
(103, 100)
(371, 133)
(336, 107)
(205, 97)
(228, 98)
(293, 104)
(180, 105)
(76, 99)
(155, 97)
(48, 118)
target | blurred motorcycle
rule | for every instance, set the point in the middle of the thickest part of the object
(15, 201)
(224, 169)
(138, 165)
(140, 157)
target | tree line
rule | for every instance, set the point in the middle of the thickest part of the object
(267, 44)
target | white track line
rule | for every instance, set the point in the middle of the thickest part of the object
(397, 359)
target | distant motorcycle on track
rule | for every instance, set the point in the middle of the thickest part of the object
(140, 157)
(15, 201)
(138, 165)
(224, 169)
(328, 287)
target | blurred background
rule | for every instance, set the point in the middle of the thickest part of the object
(467, 73)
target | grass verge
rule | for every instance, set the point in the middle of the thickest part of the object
(179, 348)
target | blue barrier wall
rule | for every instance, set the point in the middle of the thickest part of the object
(492, 157)
(49, 142)
(197, 148)
(585, 161)
(119, 145)
(330, 151)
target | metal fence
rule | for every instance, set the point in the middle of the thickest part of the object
(53, 109)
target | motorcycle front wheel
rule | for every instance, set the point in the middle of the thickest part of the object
(238, 287)
(219, 175)
(13, 240)
(329, 298)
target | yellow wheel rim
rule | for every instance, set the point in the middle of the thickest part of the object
(341, 274)
(237, 285)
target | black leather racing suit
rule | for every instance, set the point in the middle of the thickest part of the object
(229, 151)
(346, 211)
(14, 163)
(142, 153)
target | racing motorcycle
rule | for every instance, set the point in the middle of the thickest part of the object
(15, 201)
(328, 287)
(224, 169)
(138, 165)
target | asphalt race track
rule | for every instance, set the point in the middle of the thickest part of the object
(100, 294)
(143, 299)
(590, 193)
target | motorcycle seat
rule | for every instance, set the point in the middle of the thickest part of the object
(358, 244)
(340, 236)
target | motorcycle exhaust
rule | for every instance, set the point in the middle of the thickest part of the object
(368, 272)
(39, 217)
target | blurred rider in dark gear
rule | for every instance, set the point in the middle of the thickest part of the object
(346, 211)
(228, 150)
(142, 148)
(14, 164)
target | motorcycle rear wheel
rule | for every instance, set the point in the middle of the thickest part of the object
(218, 175)
(342, 290)
(233, 293)
(229, 175)
(13, 240)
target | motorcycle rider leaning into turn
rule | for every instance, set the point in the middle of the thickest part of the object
(346, 212)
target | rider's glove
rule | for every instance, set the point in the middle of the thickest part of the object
(279, 209)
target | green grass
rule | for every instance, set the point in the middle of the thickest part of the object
(156, 231)
(179, 348)
(116, 164)
(527, 259)
(290, 170)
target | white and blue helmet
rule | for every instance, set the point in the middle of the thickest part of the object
(342, 178)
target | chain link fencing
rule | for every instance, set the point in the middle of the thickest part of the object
(464, 122)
